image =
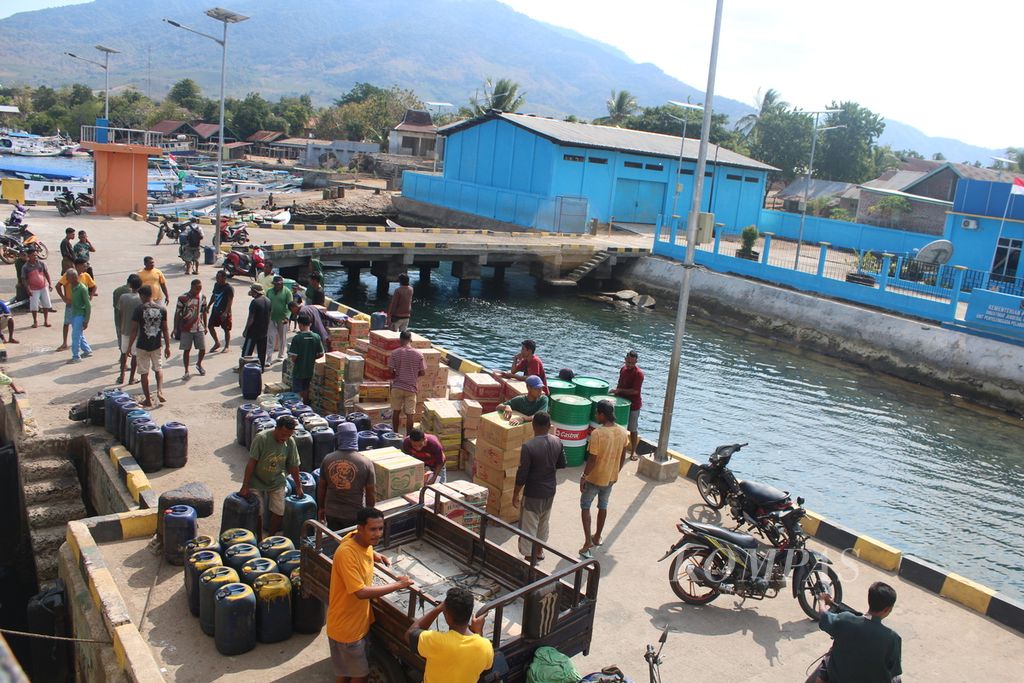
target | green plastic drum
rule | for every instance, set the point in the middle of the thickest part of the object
(622, 406)
(570, 418)
(560, 386)
(590, 386)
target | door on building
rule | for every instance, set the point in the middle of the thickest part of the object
(638, 201)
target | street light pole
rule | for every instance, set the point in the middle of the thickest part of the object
(807, 178)
(682, 146)
(661, 455)
(438, 105)
(226, 17)
(107, 51)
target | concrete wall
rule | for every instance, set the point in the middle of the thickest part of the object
(980, 369)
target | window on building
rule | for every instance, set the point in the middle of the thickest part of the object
(1007, 259)
(686, 171)
(598, 160)
(708, 174)
(632, 164)
(730, 176)
(654, 167)
(750, 180)
(572, 157)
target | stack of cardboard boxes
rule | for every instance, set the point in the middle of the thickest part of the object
(510, 388)
(482, 388)
(471, 412)
(441, 418)
(396, 473)
(381, 344)
(496, 462)
(337, 339)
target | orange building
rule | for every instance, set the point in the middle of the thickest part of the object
(121, 173)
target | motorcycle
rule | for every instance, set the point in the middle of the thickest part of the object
(751, 503)
(240, 262)
(172, 230)
(17, 218)
(84, 199)
(715, 561)
(16, 242)
(67, 203)
(233, 234)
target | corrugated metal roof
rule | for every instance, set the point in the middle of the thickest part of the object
(818, 188)
(233, 145)
(417, 121)
(206, 130)
(167, 126)
(265, 136)
(300, 142)
(608, 137)
(911, 197)
(896, 180)
(9, 109)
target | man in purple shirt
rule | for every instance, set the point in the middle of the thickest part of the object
(407, 366)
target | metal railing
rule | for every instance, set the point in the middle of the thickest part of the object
(133, 136)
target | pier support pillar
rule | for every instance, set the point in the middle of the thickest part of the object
(498, 273)
(466, 271)
(352, 275)
(426, 268)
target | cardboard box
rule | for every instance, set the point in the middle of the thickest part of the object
(361, 346)
(495, 429)
(358, 328)
(375, 391)
(446, 505)
(378, 412)
(480, 385)
(354, 367)
(495, 457)
(419, 341)
(336, 360)
(385, 340)
(375, 372)
(397, 475)
(393, 505)
(501, 480)
(512, 388)
(432, 357)
(378, 355)
(470, 408)
(474, 494)
(384, 453)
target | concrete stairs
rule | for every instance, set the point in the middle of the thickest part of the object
(578, 273)
(53, 497)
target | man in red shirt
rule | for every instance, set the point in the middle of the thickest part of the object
(400, 307)
(631, 379)
(527, 363)
(427, 448)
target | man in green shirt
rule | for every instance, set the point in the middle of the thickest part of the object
(863, 649)
(273, 452)
(81, 308)
(123, 289)
(305, 348)
(533, 401)
(280, 296)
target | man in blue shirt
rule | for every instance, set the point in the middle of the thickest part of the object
(863, 649)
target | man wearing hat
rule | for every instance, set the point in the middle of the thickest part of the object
(347, 481)
(279, 296)
(255, 333)
(533, 401)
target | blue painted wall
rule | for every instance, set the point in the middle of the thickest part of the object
(499, 170)
(984, 203)
(842, 234)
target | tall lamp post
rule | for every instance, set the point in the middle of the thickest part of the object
(682, 146)
(661, 455)
(226, 17)
(438, 105)
(807, 179)
(107, 51)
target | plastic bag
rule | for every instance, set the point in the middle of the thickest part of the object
(551, 666)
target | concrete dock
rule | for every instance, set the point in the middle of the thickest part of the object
(728, 640)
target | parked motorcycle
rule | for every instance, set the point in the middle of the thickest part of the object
(715, 561)
(239, 262)
(67, 203)
(171, 229)
(84, 199)
(16, 242)
(751, 503)
(17, 217)
(234, 234)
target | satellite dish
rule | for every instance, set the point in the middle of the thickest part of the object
(937, 253)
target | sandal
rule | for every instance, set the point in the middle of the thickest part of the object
(586, 555)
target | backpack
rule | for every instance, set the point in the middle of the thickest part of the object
(195, 237)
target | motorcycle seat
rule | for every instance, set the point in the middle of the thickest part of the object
(762, 494)
(734, 537)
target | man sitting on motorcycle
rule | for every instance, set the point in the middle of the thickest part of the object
(863, 649)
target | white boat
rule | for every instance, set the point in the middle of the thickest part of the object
(283, 218)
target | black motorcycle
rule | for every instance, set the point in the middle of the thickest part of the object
(715, 561)
(171, 229)
(67, 203)
(755, 505)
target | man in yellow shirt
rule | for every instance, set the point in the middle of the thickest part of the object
(349, 613)
(152, 276)
(458, 655)
(606, 453)
(63, 289)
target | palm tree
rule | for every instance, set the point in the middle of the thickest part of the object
(621, 105)
(769, 102)
(502, 95)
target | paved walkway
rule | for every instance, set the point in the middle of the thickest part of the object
(727, 640)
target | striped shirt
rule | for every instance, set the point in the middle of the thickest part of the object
(408, 365)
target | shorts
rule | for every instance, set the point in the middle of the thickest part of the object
(67, 315)
(148, 358)
(349, 659)
(190, 254)
(272, 500)
(404, 401)
(122, 342)
(399, 324)
(603, 493)
(300, 383)
(634, 418)
(220, 319)
(193, 339)
(37, 298)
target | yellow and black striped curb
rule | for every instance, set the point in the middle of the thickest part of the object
(132, 476)
(132, 652)
(29, 202)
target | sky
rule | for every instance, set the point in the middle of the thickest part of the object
(944, 69)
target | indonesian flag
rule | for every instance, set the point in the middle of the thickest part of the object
(1017, 187)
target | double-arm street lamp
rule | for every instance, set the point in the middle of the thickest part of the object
(807, 179)
(682, 146)
(226, 17)
(107, 51)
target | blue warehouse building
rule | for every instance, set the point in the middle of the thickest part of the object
(557, 175)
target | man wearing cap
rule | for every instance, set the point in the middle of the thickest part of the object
(347, 481)
(255, 333)
(272, 454)
(533, 401)
(631, 379)
(277, 334)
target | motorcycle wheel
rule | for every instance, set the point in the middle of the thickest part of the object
(709, 491)
(241, 239)
(684, 588)
(78, 210)
(8, 255)
(61, 210)
(810, 586)
(41, 249)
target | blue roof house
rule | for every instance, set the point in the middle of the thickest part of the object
(557, 175)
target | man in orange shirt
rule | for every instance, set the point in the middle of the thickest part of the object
(349, 613)
(606, 454)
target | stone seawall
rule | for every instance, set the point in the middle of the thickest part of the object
(979, 369)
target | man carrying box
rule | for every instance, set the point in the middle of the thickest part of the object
(538, 460)
(606, 455)
(528, 404)
(428, 448)
(407, 366)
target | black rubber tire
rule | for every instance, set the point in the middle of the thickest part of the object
(809, 583)
(384, 668)
(7, 255)
(61, 210)
(41, 249)
(692, 555)
(78, 210)
(710, 491)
